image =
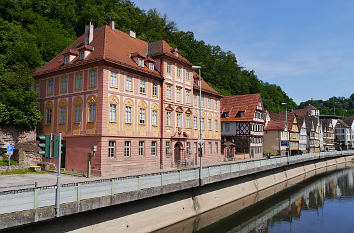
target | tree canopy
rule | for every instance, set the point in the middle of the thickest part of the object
(34, 31)
(339, 106)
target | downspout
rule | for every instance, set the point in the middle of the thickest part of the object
(161, 123)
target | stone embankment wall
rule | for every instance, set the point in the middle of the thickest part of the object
(25, 146)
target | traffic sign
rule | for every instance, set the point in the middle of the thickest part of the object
(10, 149)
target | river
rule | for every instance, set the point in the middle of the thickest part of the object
(324, 203)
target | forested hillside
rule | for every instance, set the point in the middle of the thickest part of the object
(34, 31)
(339, 106)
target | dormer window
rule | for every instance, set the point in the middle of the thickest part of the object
(82, 55)
(66, 59)
(140, 62)
(151, 66)
(240, 113)
(226, 114)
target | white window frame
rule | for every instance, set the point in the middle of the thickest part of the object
(154, 89)
(187, 75)
(129, 83)
(168, 68)
(128, 114)
(50, 86)
(179, 71)
(209, 103)
(112, 113)
(48, 116)
(168, 118)
(195, 99)
(178, 94)
(168, 91)
(202, 121)
(153, 148)
(62, 115)
(142, 86)
(66, 59)
(77, 112)
(209, 147)
(188, 121)
(93, 78)
(188, 148)
(82, 55)
(64, 84)
(179, 119)
(168, 147)
(142, 116)
(216, 147)
(140, 62)
(151, 66)
(92, 112)
(188, 96)
(127, 145)
(154, 118)
(195, 122)
(141, 148)
(111, 149)
(209, 124)
(78, 81)
(195, 147)
(114, 79)
(216, 125)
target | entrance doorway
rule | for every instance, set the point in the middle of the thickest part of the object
(177, 153)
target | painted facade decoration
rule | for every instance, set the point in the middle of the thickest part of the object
(137, 101)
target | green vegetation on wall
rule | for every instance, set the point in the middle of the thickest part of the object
(34, 31)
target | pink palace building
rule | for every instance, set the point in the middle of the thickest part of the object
(137, 101)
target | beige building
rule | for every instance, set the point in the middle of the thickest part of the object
(276, 138)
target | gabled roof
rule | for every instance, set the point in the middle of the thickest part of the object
(282, 117)
(274, 125)
(342, 123)
(205, 86)
(349, 120)
(300, 121)
(326, 123)
(113, 46)
(161, 47)
(304, 111)
(238, 103)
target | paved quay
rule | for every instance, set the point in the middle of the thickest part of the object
(13, 182)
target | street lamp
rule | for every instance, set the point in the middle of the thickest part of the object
(200, 124)
(286, 119)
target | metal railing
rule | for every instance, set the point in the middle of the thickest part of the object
(33, 198)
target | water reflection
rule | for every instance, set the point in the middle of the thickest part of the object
(322, 204)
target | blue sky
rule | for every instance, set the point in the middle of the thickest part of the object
(306, 47)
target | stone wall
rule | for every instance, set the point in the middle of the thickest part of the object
(10, 135)
(25, 145)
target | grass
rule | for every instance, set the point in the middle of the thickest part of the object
(21, 171)
(5, 162)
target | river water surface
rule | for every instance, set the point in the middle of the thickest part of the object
(324, 203)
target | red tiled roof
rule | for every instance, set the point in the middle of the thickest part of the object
(205, 86)
(113, 46)
(304, 111)
(275, 125)
(117, 47)
(282, 117)
(236, 103)
(161, 47)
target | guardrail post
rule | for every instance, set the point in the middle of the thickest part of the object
(78, 194)
(220, 169)
(35, 206)
(112, 187)
(139, 185)
(161, 179)
(179, 176)
(209, 171)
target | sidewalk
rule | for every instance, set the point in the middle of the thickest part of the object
(14, 182)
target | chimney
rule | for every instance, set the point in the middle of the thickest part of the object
(88, 33)
(132, 34)
(111, 25)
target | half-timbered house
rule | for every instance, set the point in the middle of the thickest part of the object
(242, 125)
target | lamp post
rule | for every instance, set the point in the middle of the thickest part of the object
(287, 127)
(200, 125)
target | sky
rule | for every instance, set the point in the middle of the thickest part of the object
(305, 47)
